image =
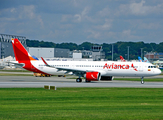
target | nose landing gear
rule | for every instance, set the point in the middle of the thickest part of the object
(142, 81)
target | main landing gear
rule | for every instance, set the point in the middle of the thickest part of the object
(142, 81)
(78, 80)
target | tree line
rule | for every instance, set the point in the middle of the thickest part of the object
(120, 48)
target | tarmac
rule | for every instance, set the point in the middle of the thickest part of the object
(39, 82)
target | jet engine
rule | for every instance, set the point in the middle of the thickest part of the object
(92, 76)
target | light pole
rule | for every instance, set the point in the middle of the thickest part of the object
(112, 51)
(128, 52)
(144, 53)
(141, 53)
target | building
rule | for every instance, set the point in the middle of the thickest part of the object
(97, 53)
(152, 56)
(86, 54)
(61, 53)
(77, 55)
(6, 48)
(41, 52)
(48, 52)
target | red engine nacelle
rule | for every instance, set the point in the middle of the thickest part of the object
(93, 76)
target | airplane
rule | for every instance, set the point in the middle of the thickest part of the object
(35, 57)
(140, 59)
(122, 59)
(90, 70)
(146, 60)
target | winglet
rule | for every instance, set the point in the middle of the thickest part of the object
(45, 62)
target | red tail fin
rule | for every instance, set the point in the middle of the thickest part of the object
(20, 52)
(22, 56)
(122, 59)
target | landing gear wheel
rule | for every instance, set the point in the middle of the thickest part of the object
(142, 81)
(78, 80)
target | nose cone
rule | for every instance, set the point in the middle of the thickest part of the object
(158, 71)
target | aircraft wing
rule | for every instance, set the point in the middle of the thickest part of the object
(65, 69)
(16, 63)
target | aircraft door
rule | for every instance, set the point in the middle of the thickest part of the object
(72, 65)
(141, 67)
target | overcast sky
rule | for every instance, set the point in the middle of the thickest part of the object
(77, 21)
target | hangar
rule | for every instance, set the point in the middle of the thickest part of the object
(6, 44)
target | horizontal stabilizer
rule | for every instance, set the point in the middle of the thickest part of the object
(16, 63)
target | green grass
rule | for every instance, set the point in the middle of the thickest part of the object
(81, 103)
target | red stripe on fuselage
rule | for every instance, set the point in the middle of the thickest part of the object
(30, 67)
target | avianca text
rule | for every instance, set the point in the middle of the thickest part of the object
(116, 66)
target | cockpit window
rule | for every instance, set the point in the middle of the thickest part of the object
(152, 67)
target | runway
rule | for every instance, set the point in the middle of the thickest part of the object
(39, 82)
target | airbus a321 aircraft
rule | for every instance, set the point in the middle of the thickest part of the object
(90, 70)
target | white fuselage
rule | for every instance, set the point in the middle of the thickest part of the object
(106, 68)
